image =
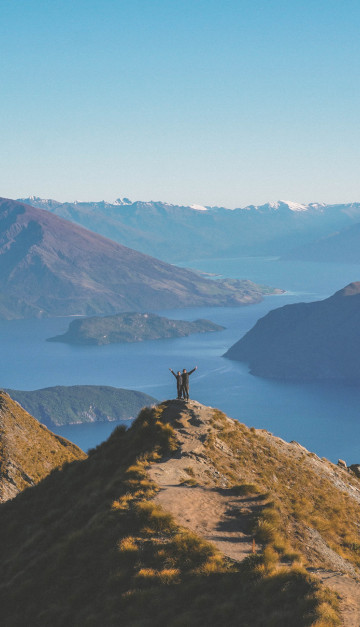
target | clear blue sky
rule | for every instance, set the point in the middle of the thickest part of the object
(189, 101)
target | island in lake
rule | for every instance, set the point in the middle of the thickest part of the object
(130, 327)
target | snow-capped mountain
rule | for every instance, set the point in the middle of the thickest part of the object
(40, 203)
(180, 233)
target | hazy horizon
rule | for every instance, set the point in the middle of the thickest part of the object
(206, 103)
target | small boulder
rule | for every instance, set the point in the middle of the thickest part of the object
(355, 468)
(341, 463)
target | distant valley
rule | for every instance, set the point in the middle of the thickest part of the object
(306, 341)
(339, 247)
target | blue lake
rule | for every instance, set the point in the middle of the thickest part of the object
(323, 417)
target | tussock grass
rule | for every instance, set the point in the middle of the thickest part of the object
(304, 497)
(91, 535)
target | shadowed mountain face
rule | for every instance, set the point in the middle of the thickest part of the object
(51, 267)
(174, 233)
(122, 538)
(28, 450)
(318, 340)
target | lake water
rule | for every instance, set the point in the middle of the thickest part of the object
(323, 417)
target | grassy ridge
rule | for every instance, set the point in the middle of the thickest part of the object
(89, 547)
(28, 450)
(297, 495)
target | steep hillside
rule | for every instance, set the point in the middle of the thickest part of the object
(176, 233)
(52, 267)
(130, 327)
(124, 535)
(318, 340)
(76, 404)
(28, 450)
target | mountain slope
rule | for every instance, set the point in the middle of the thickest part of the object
(176, 233)
(77, 404)
(96, 534)
(318, 340)
(28, 450)
(52, 267)
(340, 247)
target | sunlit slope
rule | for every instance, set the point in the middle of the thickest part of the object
(107, 534)
(51, 267)
(28, 450)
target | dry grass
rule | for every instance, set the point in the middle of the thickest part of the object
(293, 493)
(92, 535)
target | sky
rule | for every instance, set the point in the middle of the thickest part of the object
(228, 103)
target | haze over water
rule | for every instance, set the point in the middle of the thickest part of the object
(322, 416)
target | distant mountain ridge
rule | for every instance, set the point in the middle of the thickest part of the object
(183, 233)
(306, 341)
(79, 404)
(52, 267)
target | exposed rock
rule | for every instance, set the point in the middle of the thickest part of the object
(355, 468)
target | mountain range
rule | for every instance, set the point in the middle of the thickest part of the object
(187, 518)
(177, 233)
(306, 341)
(52, 267)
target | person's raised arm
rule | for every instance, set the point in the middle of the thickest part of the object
(172, 372)
(193, 370)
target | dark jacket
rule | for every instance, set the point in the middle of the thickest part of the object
(185, 377)
(178, 378)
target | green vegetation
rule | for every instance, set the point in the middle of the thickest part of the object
(130, 327)
(88, 547)
(75, 404)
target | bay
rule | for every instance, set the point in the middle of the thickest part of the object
(323, 417)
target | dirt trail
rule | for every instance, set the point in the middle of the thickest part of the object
(203, 508)
(199, 498)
